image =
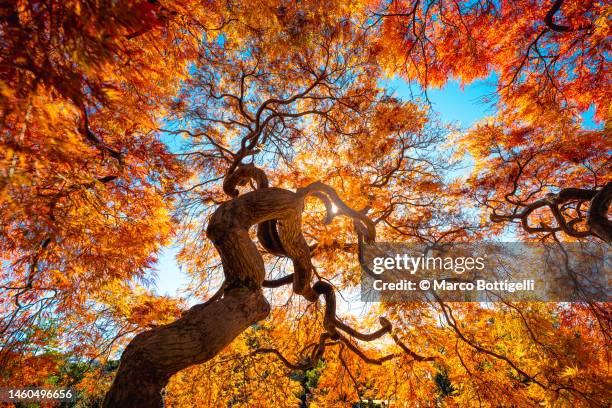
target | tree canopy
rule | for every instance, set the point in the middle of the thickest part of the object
(261, 138)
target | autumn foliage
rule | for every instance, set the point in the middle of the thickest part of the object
(125, 125)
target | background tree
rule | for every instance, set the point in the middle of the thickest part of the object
(82, 180)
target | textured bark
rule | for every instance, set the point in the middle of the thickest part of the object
(598, 219)
(154, 356)
(229, 227)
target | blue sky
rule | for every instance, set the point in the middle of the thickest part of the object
(461, 107)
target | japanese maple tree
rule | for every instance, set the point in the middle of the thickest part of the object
(260, 139)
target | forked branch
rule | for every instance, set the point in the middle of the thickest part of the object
(597, 222)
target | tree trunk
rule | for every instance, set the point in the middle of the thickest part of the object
(154, 356)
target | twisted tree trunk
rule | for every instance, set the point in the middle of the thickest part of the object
(154, 356)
